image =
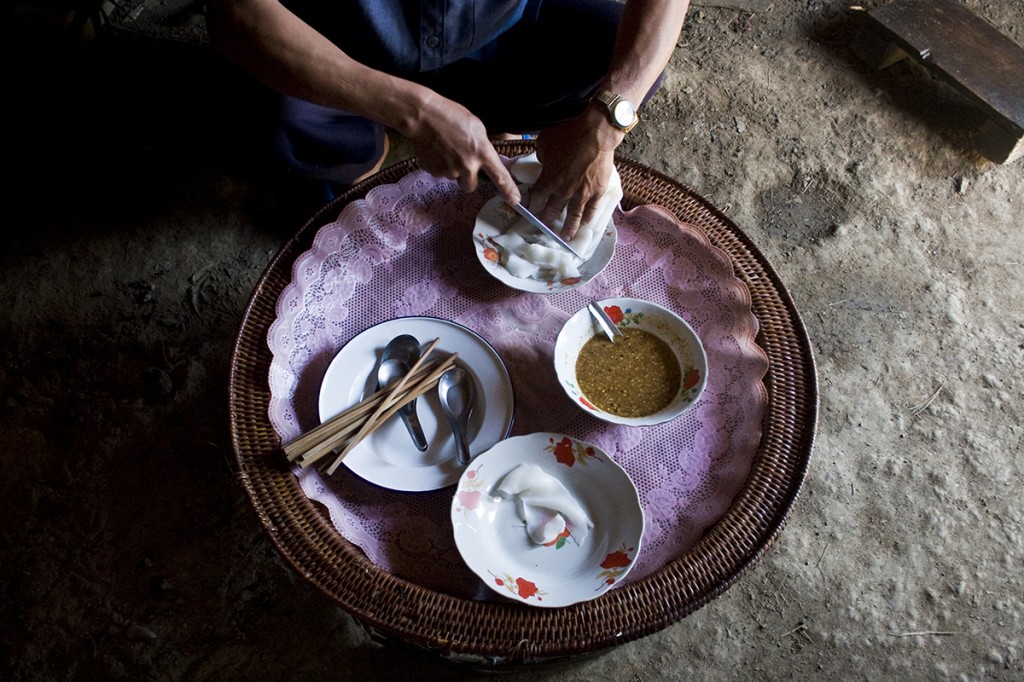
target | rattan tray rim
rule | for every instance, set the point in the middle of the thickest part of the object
(497, 633)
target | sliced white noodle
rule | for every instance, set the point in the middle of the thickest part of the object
(545, 256)
(518, 266)
(570, 269)
(511, 240)
(526, 260)
(535, 489)
(542, 525)
(530, 234)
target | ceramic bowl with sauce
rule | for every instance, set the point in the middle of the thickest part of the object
(652, 376)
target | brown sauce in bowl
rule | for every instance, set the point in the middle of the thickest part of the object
(634, 377)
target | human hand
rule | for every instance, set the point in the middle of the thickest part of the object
(577, 159)
(450, 142)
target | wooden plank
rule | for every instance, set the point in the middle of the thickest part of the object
(960, 47)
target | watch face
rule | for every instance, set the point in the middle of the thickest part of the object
(624, 113)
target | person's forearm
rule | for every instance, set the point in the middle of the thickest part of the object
(286, 54)
(277, 47)
(646, 39)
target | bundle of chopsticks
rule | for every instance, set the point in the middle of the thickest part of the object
(344, 431)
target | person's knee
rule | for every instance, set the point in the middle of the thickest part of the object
(325, 143)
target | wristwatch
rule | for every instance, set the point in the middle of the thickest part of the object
(621, 111)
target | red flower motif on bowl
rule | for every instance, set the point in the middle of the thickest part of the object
(615, 313)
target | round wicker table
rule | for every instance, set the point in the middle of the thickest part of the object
(496, 634)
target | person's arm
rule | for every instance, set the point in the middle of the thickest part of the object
(577, 157)
(267, 40)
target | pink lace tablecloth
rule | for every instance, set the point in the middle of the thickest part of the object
(407, 249)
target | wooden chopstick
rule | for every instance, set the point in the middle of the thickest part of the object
(350, 426)
(370, 424)
(355, 430)
(343, 419)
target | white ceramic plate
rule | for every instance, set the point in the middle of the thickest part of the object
(493, 221)
(493, 541)
(388, 457)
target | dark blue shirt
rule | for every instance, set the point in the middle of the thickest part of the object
(408, 36)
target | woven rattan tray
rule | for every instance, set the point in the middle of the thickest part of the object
(499, 634)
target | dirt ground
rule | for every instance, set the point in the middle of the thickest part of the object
(143, 216)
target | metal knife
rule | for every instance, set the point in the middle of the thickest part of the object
(535, 221)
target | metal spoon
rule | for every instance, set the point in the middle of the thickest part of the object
(404, 349)
(391, 371)
(457, 394)
(610, 329)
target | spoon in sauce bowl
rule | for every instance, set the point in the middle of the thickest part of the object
(610, 329)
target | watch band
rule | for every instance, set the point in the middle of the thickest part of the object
(611, 103)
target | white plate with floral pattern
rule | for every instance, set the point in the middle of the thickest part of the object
(493, 540)
(495, 218)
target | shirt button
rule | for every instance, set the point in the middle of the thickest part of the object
(433, 41)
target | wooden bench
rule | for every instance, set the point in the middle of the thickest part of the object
(962, 48)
